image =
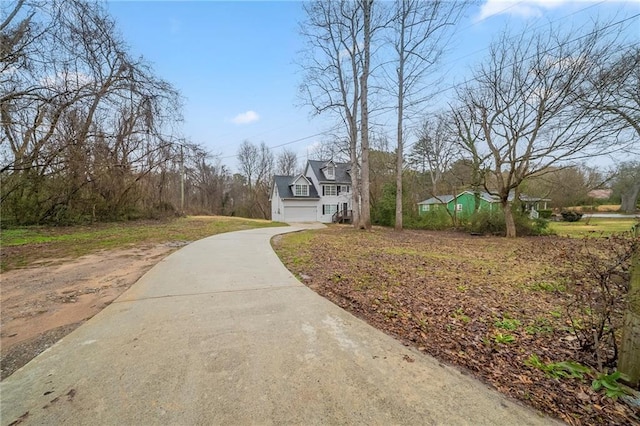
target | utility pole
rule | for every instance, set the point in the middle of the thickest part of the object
(181, 180)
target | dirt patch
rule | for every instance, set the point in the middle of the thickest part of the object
(45, 302)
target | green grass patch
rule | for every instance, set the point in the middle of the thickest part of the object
(292, 248)
(503, 339)
(558, 370)
(507, 324)
(25, 245)
(592, 227)
(548, 286)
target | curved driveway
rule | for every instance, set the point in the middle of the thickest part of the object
(220, 332)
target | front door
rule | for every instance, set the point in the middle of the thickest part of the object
(345, 207)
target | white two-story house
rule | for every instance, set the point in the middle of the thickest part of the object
(321, 194)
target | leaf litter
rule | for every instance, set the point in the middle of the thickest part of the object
(483, 304)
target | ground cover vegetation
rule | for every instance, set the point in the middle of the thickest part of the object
(22, 246)
(598, 227)
(537, 317)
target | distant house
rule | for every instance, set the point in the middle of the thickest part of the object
(600, 194)
(321, 194)
(464, 203)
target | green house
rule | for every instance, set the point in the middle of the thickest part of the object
(464, 203)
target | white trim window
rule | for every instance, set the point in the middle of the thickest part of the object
(330, 171)
(344, 188)
(458, 207)
(328, 190)
(329, 208)
(301, 190)
(425, 207)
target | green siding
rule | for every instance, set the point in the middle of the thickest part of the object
(467, 202)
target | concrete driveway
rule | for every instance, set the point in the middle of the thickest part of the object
(220, 332)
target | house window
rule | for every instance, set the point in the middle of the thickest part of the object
(329, 208)
(344, 188)
(329, 190)
(301, 190)
(458, 207)
(330, 172)
(425, 207)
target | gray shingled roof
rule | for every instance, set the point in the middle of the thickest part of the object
(284, 187)
(445, 199)
(342, 171)
(441, 199)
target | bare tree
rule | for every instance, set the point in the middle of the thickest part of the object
(614, 92)
(287, 163)
(337, 68)
(614, 89)
(257, 165)
(365, 194)
(435, 151)
(627, 184)
(248, 158)
(420, 32)
(85, 124)
(522, 109)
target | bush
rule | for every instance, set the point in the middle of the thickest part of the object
(545, 214)
(434, 220)
(540, 226)
(571, 216)
(485, 222)
(597, 276)
(383, 212)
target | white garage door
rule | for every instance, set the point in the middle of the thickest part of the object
(300, 214)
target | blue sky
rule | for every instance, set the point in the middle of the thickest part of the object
(235, 62)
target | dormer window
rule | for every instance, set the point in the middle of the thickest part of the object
(330, 171)
(301, 190)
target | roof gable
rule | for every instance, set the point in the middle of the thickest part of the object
(329, 170)
(300, 180)
(489, 198)
(285, 184)
(341, 171)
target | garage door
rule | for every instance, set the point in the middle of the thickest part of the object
(300, 214)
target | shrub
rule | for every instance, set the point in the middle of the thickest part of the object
(597, 279)
(486, 222)
(545, 214)
(571, 216)
(435, 220)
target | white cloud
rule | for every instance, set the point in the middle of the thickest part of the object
(66, 80)
(246, 117)
(524, 8)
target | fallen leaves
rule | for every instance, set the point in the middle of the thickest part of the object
(482, 304)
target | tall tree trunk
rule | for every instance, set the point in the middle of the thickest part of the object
(629, 361)
(509, 219)
(630, 199)
(399, 162)
(355, 179)
(365, 214)
(399, 150)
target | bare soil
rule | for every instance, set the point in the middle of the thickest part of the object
(48, 300)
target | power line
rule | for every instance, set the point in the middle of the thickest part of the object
(528, 30)
(453, 86)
